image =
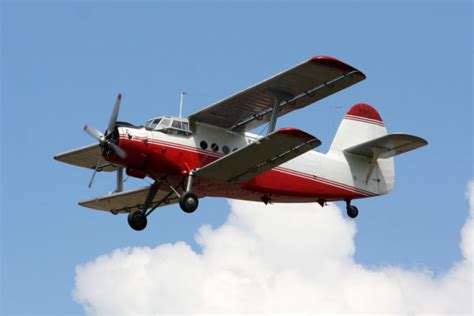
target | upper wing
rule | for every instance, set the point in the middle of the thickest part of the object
(387, 146)
(301, 85)
(262, 155)
(87, 157)
(125, 202)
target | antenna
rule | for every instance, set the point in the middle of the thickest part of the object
(181, 98)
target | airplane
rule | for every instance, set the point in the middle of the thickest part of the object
(211, 153)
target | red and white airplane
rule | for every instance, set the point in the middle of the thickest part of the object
(211, 152)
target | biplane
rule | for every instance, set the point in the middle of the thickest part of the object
(211, 153)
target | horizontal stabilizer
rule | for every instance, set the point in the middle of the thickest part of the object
(262, 155)
(127, 201)
(86, 157)
(387, 146)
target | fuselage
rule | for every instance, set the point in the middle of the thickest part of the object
(311, 177)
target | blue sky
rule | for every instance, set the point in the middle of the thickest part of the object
(63, 64)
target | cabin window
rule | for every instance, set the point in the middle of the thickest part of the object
(215, 147)
(225, 150)
(203, 145)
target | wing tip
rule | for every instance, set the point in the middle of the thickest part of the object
(297, 133)
(336, 63)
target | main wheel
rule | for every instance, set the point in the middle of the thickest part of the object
(137, 220)
(352, 211)
(188, 202)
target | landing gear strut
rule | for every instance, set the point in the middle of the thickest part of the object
(352, 211)
(137, 218)
(188, 201)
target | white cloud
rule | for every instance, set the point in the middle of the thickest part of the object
(278, 258)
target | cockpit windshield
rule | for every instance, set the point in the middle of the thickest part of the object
(169, 125)
(151, 124)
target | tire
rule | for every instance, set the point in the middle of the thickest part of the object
(188, 202)
(137, 220)
(352, 211)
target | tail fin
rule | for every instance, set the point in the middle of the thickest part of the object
(360, 124)
(363, 141)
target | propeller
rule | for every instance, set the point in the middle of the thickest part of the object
(113, 117)
(104, 139)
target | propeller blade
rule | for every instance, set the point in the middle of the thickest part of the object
(94, 133)
(113, 117)
(119, 151)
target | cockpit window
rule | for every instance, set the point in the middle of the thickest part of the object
(180, 126)
(176, 124)
(165, 123)
(155, 123)
(170, 125)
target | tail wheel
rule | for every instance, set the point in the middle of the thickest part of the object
(137, 220)
(188, 202)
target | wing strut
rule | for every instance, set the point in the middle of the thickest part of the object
(278, 98)
(119, 180)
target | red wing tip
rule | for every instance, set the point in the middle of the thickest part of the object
(317, 58)
(119, 96)
(333, 62)
(294, 132)
(365, 111)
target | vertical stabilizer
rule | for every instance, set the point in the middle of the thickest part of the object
(362, 123)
